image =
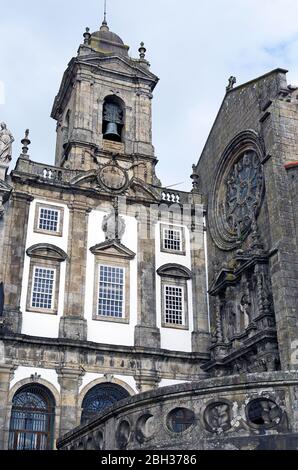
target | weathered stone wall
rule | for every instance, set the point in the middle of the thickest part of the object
(219, 417)
(266, 106)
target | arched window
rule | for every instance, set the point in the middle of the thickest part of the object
(113, 119)
(100, 397)
(32, 419)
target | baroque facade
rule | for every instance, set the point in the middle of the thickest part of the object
(106, 341)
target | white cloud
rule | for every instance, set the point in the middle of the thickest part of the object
(193, 46)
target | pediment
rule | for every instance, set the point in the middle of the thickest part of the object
(224, 277)
(5, 186)
(47, 251)
(174, 270)
(141, 190)
(114, 249)
(116, 63)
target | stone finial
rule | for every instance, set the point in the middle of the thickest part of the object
(87, 36)
(6, 140)
(195, 180)
(232, 81)
(25, 142)
(142, 51)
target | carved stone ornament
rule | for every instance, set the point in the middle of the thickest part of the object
(238, 192)
(113, 226)
(6, 140)
(112, 177)
(217, 417)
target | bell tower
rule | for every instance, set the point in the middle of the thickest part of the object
(103, 107)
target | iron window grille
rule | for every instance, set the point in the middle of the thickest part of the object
(100, 397)
(32, 419)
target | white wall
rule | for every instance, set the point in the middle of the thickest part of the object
(22, 373)
(172, 338)
(104, 331)
(40, 324)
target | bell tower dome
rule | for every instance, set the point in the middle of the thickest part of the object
(103, 107)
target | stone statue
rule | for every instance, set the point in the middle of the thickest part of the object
(6, 140)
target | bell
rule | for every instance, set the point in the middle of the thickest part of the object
(112, 132)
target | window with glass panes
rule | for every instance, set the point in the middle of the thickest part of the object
(43, 288)
(48, 219)
(111, 291)
(172, 239)
(173, 305)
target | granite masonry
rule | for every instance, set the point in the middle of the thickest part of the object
(108, 336)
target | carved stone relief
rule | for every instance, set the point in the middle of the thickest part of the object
(217, 417)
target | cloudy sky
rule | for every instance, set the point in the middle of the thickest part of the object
(193, 46)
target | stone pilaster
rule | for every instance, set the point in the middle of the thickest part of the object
(70, 381)
(6, 373)
(72, 324)
(13, 260)
(200, 334)
(146, 332)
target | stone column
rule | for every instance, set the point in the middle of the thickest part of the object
(6, 373)
(73, 324)
(13, 260)
(70, 380)
(147, 335)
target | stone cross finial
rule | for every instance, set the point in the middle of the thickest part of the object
(232, 81)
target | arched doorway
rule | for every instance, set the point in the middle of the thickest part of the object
(32, 419)
(101, 396)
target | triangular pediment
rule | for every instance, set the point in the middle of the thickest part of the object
(115, 62)
(112, 248)
(4, 186)
(225, 276)
(140, 189)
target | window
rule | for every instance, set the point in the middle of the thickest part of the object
(49, 219)
(32, 419)
(111, 294)
(111, 291)
(44, 278)
(100, 397)
(172, 239)
(173, 303)
(43, 288)
(174, 295)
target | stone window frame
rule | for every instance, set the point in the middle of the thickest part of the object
(179, 228)
(103, 260)
(46, 205)
(177, 276)
(45, 264)
(45, 256)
